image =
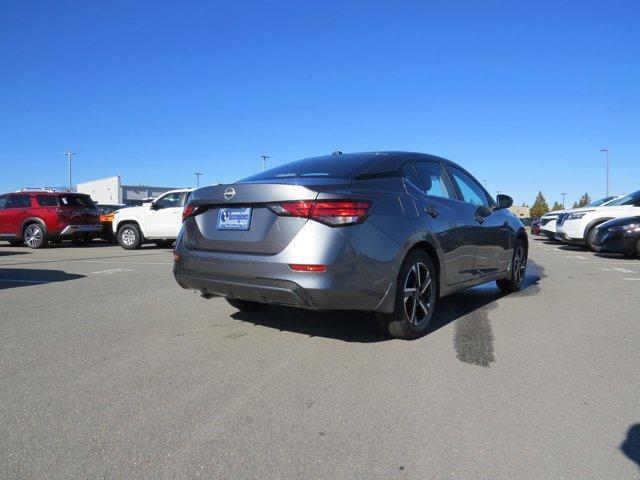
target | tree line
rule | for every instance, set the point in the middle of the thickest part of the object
(540, 206)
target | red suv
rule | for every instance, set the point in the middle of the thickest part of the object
(37, 217)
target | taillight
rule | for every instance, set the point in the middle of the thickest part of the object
(334, 213)
(191, 210)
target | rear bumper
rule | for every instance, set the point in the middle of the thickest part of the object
(263, 290)
(80, 230)
(353, 280)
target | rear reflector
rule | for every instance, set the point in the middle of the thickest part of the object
(308, 268)
(334, 213)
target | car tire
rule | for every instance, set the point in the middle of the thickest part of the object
(80, 241)
(35, 236)
(638, 249)
(416, 296)
(590, 237)
(164, 243)
(245, 305)
(518, 269)
(129, 236)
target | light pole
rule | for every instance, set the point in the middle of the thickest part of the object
(606, 150)
(563, 194)
(69, 155)
(198, 175)
(264, 162)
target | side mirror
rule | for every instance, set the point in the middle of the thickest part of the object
(153, 206)
(504, 201)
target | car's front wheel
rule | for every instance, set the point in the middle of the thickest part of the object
(245, 305)
(129, 236)
(518, 269)
(638, 249)
(35, 236)
(416, 295)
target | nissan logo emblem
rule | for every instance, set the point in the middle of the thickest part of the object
(229, 193)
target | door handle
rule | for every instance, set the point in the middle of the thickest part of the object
(431, 211)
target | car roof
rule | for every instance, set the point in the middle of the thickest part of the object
(383, 161)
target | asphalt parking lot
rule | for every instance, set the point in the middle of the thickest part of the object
(109, 370)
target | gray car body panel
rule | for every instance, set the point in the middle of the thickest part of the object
(362, 260)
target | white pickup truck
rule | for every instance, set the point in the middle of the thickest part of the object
(159, 221)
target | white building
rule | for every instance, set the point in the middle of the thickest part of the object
(110, 190)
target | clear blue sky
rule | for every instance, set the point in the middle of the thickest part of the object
(523, 94)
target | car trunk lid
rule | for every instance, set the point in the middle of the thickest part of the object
(237, 218)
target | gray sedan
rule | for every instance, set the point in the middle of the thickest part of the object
(386, 232)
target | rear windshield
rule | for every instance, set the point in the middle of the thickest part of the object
(76, 201)
(630, 199)
(332, 166)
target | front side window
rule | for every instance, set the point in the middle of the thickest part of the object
(631, 199)
(433, 179)
(470, 189)
(168, 201)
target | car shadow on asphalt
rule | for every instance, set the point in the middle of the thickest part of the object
(361, 327)
(631, 445)
(6, 253)
(29, 277)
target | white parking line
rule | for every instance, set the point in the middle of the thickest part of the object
(632, 279)
(111, 271)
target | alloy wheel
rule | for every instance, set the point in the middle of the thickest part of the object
(519, 265)
(128, 236)
(418, 294)
(33, 236)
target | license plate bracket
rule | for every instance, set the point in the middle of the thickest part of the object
(236, 218)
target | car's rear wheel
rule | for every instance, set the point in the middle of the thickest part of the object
(416, 295)
(80, 241)
(35, 236)
(129, 236)
(164, 243)
(245, 305)
(518, 269)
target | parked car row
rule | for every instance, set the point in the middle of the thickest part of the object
(608, 225)
(35, 218)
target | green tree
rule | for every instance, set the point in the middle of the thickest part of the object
(583, 201)
(540, 206)
(557, 206)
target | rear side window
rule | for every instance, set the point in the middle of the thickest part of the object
(15, 201)
(433, 179)
(470, 189)
(409, 173)
(76, 201)
(47, 201)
